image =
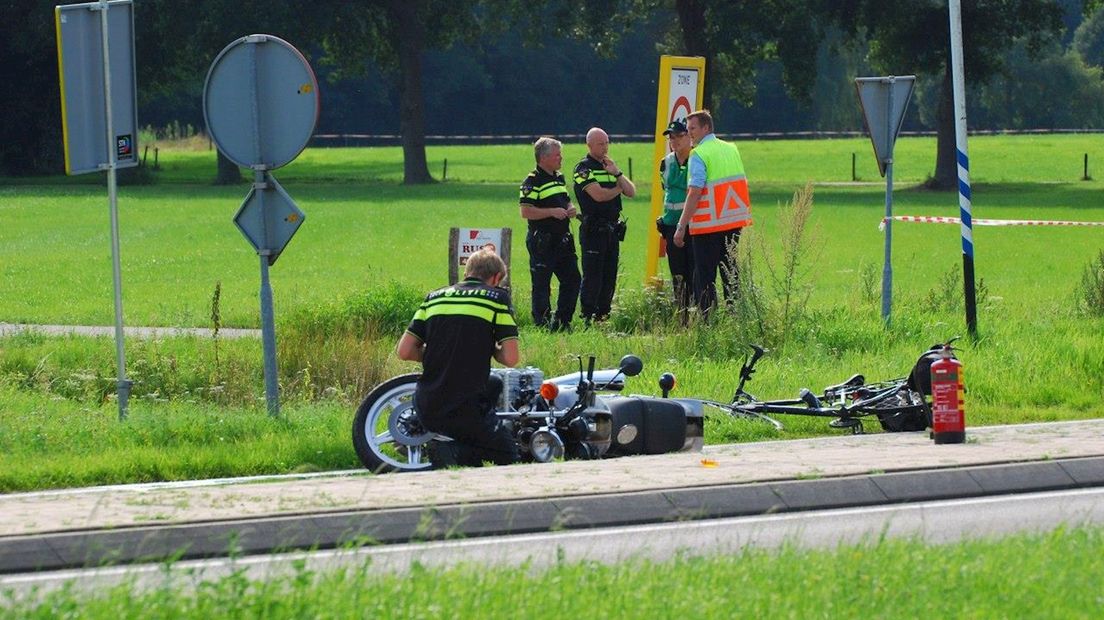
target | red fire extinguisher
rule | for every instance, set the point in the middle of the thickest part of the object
(948, 411)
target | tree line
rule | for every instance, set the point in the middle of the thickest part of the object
(412, 67)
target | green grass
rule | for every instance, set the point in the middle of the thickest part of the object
(1049, 575)
(369, 249)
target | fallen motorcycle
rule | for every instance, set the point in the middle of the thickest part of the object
(583, 415)
(578, 416)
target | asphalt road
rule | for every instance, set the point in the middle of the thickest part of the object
(935, 522)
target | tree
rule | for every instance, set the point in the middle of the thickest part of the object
(913, 36)
(394, 34)
(1088, 40)
(176, 42)
(30, 136)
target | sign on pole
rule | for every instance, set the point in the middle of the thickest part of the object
(261, 104)
(82, 74)
(681, 91)
(884, 101)
(99, 121)
(463, 242)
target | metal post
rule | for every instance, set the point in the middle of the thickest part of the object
(123, 384)
(887, 268)
(853, 176)
(268, 339)
(959, 80)
(260, 185)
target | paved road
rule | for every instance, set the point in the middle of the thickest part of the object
(935, 522)
(67, 529)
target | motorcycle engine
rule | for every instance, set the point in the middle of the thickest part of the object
(519, 387)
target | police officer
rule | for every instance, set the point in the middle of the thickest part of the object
(717, 208)
(547, 206)
(454, 334)
(599, 185)
(672, 175)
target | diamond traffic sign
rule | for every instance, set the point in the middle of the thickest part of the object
(883, 101)
(269, 218)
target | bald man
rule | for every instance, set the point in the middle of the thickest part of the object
(599, 185)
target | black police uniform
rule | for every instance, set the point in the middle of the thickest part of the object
(599, 239)
(460, 326)
(551, 250)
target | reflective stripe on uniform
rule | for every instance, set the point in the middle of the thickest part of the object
(725, 203)
(544, 191)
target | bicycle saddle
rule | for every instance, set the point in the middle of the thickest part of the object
(853, 382)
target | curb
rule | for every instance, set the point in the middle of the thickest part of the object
(198, 540)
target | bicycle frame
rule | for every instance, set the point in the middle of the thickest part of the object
(866, 400)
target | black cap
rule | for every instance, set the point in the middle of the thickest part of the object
(675, 127)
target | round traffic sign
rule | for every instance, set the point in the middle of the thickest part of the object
(260, 101)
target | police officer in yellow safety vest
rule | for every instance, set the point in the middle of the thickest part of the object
(717, 208)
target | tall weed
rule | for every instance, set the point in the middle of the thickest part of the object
(1091, 290)
(776, 277)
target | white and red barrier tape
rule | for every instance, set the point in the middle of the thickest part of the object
(927, 219)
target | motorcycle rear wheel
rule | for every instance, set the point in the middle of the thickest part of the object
(387, 435)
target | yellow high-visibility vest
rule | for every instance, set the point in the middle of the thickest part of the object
(725, 203)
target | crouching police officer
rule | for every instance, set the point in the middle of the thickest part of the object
(454, 334)
(599, 185)
(546, 205)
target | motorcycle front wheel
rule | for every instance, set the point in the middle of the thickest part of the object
(387, 435)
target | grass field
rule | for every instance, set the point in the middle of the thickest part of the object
(370, 247)
(1052, 575)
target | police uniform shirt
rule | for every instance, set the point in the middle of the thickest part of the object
(589, 171)
(546, 191)
(460, 324)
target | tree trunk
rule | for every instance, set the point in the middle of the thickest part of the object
(946, 162)
(691, 14)
(409, 39)
(228, 171)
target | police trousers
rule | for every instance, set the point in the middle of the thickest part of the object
(477, 435)
(601, 249)
(553, 254)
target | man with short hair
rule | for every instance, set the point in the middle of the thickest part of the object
(454, 334)
(544, 202)
(717, 208)
(599, 185)
(673, 178)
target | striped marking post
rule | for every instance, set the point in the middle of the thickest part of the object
(964, 201)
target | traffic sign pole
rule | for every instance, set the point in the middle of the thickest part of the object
(268, 321)
(123, 384)
(887, 267)
(884, 101)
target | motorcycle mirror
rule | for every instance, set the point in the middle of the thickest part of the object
(631, 365)
(666, 383)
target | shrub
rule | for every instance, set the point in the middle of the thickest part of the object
(1091, 290)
